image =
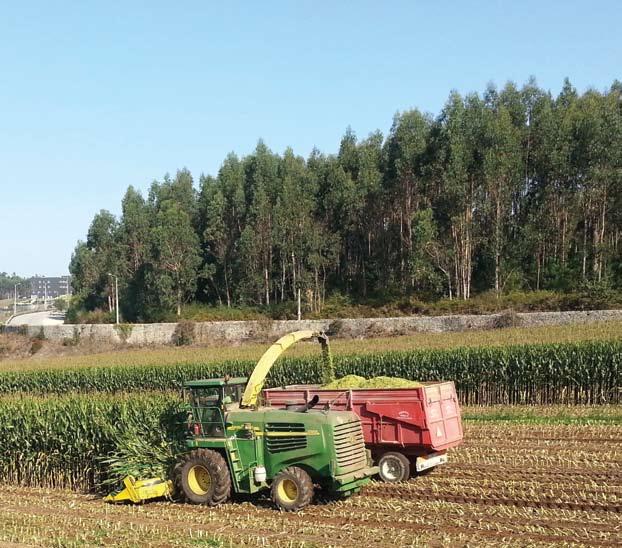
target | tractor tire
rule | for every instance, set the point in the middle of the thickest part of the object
(292, 489)
(202, 477)
(393, 466)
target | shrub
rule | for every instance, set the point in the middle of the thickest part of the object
(74, 340)
(124, 330)
(61, 304)
(334, 328)
(36, 345)
(208, 313)
(91, 317)
(508, 318)
(184, 333)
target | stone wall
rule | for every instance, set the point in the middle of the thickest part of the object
(267, 330)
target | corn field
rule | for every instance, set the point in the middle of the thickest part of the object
(71, 441)
(572, 373)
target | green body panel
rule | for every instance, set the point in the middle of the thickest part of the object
(327, 444)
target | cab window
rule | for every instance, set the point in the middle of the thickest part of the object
(206, 397)
(232, 393)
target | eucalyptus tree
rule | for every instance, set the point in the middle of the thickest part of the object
(460, 175)
(101, 257)
(406, 150)
(596, 155)
(502, 178)
(176, 256)
(214, 239)
(293, 224)
(261, 188)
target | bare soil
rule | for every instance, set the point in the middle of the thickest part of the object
(16, 347)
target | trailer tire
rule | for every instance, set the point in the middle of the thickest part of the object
(292, 489)
(393, 466)
(202, 477)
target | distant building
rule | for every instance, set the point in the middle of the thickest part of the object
(42, 286)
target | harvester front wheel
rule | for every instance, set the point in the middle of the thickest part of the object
(292, 489)
(203, 477)
(393, 466)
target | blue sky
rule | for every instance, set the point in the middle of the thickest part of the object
(95, 96)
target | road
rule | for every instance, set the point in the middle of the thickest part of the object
(48, 317)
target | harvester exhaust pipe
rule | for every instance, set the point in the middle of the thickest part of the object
(310, 404)
(303, 408)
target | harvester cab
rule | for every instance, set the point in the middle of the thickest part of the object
(210, 400)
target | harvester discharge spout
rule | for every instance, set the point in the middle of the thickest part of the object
(265, 363)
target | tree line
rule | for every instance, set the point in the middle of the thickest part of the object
(508, 189)
(8, 283)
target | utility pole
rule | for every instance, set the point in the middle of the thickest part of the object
(116, 297)
(45, 294)
(15, 301)
(116, 294)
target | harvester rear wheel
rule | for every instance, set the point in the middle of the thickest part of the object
(202, 477)
(393, 466)
(292, 489)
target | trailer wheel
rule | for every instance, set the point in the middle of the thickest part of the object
(202, 477)
(393, 466)
(292, 489)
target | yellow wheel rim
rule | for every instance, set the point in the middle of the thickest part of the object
(199, 480)
(288, 491)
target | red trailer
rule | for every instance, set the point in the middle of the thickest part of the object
(407, 430)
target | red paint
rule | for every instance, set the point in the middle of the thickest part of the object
(415, 421)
